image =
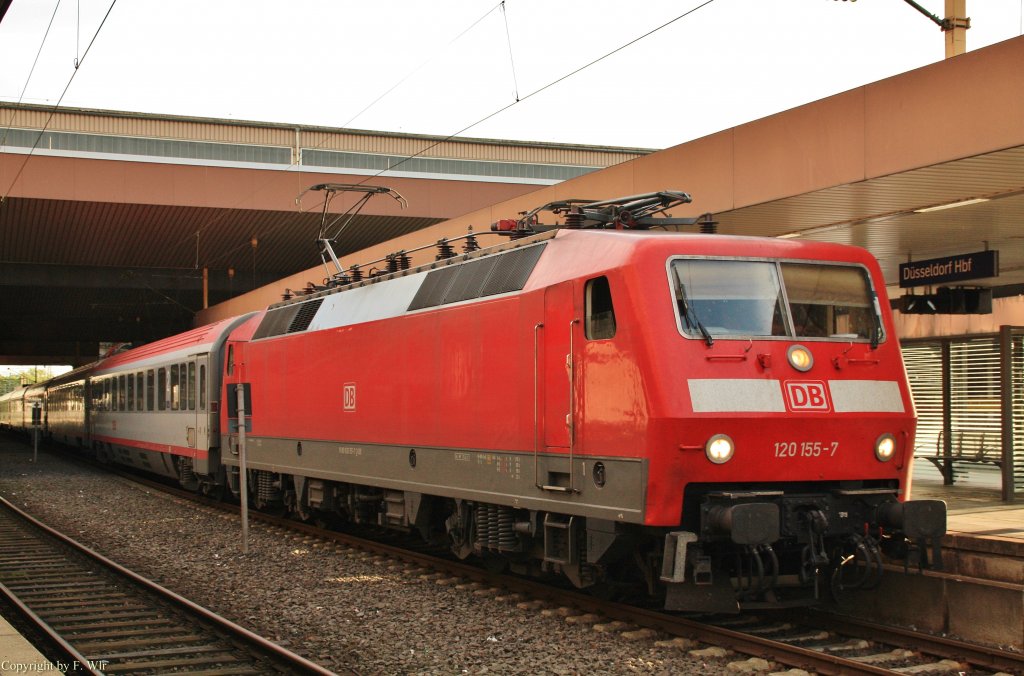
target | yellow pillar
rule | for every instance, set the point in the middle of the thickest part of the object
(957, 23)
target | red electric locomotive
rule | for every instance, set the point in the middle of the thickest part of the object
(722, 420)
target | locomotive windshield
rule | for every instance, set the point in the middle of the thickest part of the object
(742, 298)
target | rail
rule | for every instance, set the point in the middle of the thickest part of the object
(107, 618)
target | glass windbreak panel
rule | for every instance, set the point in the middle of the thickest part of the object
(830, 301)
(728, 298)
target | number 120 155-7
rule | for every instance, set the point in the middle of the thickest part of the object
(805, 449)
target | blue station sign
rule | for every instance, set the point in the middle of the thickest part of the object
(961, 267)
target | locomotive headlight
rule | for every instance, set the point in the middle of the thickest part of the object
(800, 357)
(719, 449)
(885, 447)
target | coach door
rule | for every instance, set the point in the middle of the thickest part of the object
(202, 394)
(558, 342)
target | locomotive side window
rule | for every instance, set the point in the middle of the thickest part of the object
(161, 389)
(600, 315)
(149, 390)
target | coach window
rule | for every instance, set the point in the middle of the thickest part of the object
(600, 322)
(140, 400)
(183, 388)
(191, 386)
(117, 402)
(175, 387)
(202, 387)
(131, 391)
(149, 390)
(161, 389)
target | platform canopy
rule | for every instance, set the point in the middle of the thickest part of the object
(109, 221)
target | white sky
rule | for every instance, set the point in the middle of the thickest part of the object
(321, 63)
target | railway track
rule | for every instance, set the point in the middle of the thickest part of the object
(816, 642)
(108, 620)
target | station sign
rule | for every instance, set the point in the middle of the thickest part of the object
(977, 265)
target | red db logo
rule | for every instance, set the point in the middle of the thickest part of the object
(807, 395)
(349, 397)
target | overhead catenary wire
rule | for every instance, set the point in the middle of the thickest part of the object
(295, 162)
(501, 110)
(511, 59)
(31, 71)
(53, 111)
(549, 85)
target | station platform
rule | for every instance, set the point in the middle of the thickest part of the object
(976, 512)
(17, 655)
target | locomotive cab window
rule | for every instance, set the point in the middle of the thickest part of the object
(759, 299)
(728, 298)
(600, 315)
(829, 301)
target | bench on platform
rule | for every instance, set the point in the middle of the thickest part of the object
(972, 447)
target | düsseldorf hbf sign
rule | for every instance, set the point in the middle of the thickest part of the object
(977, 265)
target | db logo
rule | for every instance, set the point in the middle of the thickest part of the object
(807, 395)
(349, 397)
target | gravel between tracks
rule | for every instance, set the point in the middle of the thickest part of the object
(332, 605)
